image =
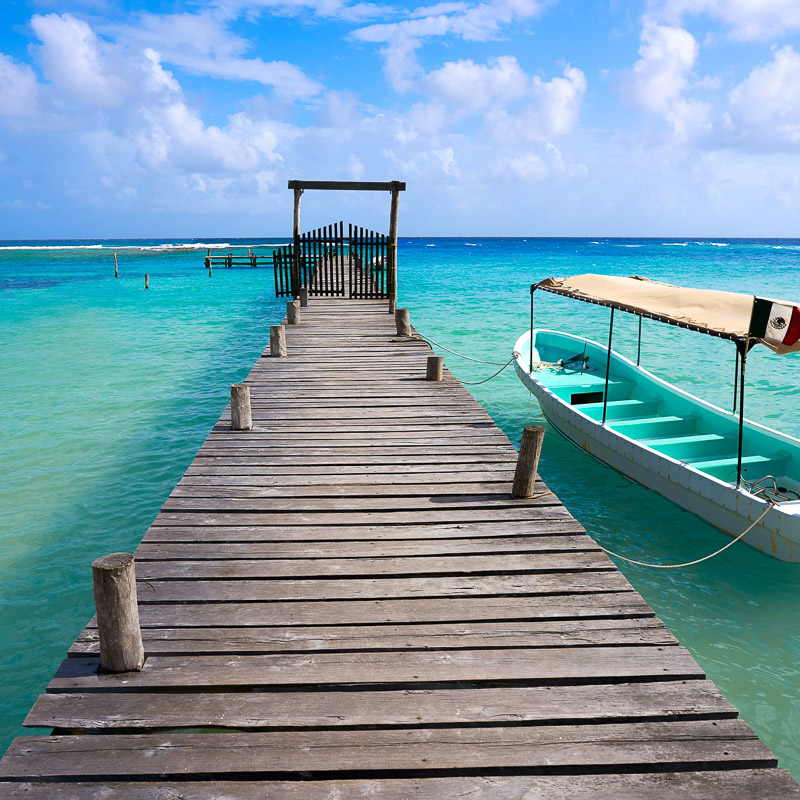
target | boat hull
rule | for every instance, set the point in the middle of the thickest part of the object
(718, 502)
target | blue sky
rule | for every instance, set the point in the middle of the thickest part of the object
(504, 117)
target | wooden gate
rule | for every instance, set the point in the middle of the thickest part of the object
(330, 264)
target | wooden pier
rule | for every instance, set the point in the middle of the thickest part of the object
(345, 601)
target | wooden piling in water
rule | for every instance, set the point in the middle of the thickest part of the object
(277, 341)
(114, 580)
(402, 320)
(528, 461)
(116, 271)
(241, 414)
(433, 369)
(147, 280)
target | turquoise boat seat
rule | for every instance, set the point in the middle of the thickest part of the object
(622, 409)
(652, 427)
(753, 467)
(695, 445)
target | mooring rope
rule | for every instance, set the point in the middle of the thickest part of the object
(460, 355)
(486, 380)
(697, 560)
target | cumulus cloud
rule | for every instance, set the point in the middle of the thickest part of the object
(473, 87)
(203, 44)
(18, 89)
(552, 110)
(658, 80)
(73, 59)
(747, 20)
(477, 22)
(764, 109)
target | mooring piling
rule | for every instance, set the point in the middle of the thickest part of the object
(114, 580)
(528, 461)
(277, 341)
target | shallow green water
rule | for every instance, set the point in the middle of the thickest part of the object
(109, 390)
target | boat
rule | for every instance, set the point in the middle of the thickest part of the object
(733, 473)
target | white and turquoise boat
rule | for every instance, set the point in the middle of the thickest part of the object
(728, 470)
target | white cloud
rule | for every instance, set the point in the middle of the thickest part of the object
(748, 20)
(764, 109)
(473, 87)
(552, 110)
(659, 79)
(660, 76)
(73, 60)
(332, 9)
(18, 89)
(478, 22)
(203, 45)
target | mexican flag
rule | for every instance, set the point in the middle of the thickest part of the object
(777, 323)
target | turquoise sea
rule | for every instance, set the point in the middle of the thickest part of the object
(108, 391)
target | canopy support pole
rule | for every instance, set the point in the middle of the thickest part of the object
(736, 380)
(742, 347)
(608, 364)
(530, 338)
(639, 349)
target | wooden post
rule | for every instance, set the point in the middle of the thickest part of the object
(296, 240)
(303, 296)
(402, 321)
(209, 268)
(147, 280)
(528, 461)
(241, 415)
(293, 312)
(434, 368)
(277, 341)
(116, 271)
(392, 246)
(114, 579)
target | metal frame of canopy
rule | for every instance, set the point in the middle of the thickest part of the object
(743, 346)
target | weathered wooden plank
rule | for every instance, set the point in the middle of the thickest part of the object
(462, 636)
(400, 667)
(498, 514)
(324, 589)
(621, 702)
(493, 567)
(484, 501)
(645, 746)
(221, 487)
(390, 611)
(744, 784)
(399, 460)
(384, 548)
(345, 481)
(561, 526)
(357, 473)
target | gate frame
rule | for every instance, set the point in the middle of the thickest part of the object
(395, 187)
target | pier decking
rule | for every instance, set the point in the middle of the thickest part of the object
(345, 601)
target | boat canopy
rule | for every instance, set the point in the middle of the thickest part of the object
(730, 315)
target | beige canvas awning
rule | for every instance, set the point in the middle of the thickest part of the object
(726, 314)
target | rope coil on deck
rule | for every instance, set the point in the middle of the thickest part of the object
(697, 560)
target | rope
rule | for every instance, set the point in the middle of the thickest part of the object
(486, 380)
(697, 560)
(461, 355)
